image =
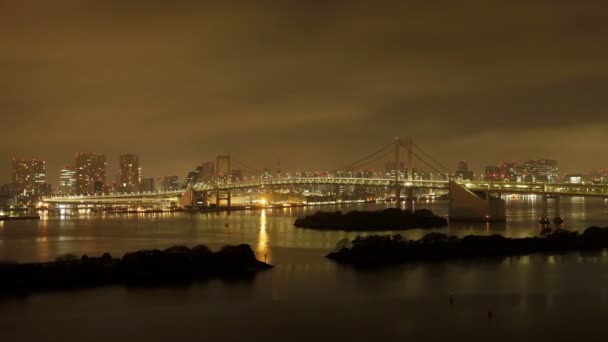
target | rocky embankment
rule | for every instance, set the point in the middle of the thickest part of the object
(388, 219)
(177, 264)
(384, 250)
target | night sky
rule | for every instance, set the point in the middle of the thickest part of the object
(315, 84)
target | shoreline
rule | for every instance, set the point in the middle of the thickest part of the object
(174, 265)
(389, 219)
(18, 218)
(384, 250)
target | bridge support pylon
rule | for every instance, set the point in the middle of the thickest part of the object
(397, 172)
(558, 214)
(409, 202)
(219, 198)
(544, 215)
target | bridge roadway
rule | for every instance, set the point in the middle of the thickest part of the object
(555, 189)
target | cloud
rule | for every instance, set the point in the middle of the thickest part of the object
(189, 79)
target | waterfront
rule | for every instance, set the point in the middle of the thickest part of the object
(265, 230)
(529, 296)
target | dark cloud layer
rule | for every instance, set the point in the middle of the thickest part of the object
(314, 83)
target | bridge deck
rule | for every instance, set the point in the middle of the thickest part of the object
(573, 190)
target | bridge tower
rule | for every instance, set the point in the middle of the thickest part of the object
(397, 172)
(409, 204)
(544, 215)
(410, 165)
(222, 177)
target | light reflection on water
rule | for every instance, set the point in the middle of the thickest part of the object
(265, 230)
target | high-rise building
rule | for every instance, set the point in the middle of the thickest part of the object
(192, 177)
(236, 175)
(543, 170)
(67, 181)
(493, 173)
(266, 173)
(202, 173)
(510, 172)
(207, 171)
(27, 176)
(462, 171)
(147, 185)
(130, 173)
(171, 183)
(90, 173)
(462, 166)
(547, 170)
(389, 169)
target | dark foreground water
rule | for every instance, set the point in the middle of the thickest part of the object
(541, 297)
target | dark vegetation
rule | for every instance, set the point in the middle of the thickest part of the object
(387, 219)
(384, 250)
(177, 264)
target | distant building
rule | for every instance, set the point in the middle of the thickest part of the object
(192, 178)
(493, 173)
(463, 172)
(389, 169)
(462, 166)
(67, 181)
(202, 173)
(159, 184)
(574, 178)
(207, 172)
(28, 180)
(130, 173)
(547, 170)
(6, 190)
(236, 175)
(222, 167)
(90, 173)
(543, 171)
(147, 185)
(7, 198)
(44, 189)
(170, 183)
(510, 172)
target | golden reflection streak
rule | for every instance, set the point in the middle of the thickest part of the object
(262, 250)
(43, 239)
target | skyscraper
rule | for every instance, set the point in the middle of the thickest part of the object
(28, 176)
(67, 181)
(170, 183)
(207, 171)
(130, 173)
(147, 185)
(202, 173)
(90, 173)
(543, 170)
(462, 171)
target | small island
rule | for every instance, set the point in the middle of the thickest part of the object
(387, 219)
(178, 264)
(377, 250)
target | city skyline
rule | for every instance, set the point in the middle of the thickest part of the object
(528, 85)
(114, 169)
(340, 170)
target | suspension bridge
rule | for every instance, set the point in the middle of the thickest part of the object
(474, 198)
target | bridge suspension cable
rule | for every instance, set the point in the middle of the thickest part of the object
(376, 159)
(425, 162)
(365, 160)
(431, 158)
(247, 168)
